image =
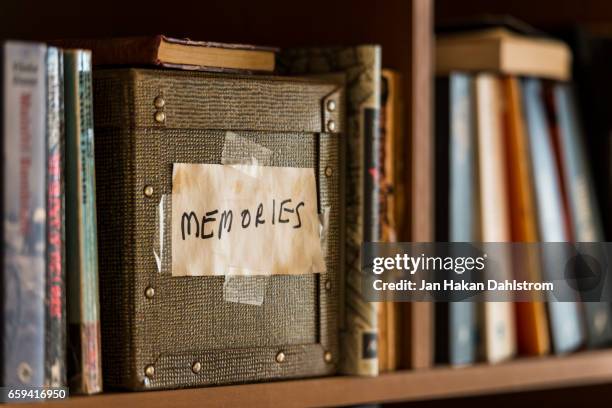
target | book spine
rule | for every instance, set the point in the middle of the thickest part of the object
(441, 183)
(364, 147)
(24, 179)
(82, 266)
(532, 324)
(463, 207)
(499, 342)
(584, 213)
(564, 317)
(55, 368)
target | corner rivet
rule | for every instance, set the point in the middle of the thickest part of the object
(150, 371)
(331, 125)
(196, 367)
(280, 357)
(160, 117)
(331, 105)
(328, 357)
(328, 171)
(159, 102)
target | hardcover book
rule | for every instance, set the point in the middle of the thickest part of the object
(500, 50)
(164, 51)
(55, 357)
(84, 356)
(566, 325)
(391, 195)
(24, 177)
(456, 341)
(362, 67)
(531, 320)
(498, 329)
(583, 212)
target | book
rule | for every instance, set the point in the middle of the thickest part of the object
(565, 321)
(591, 69)
(85, 372)
(583, 214)
(24, 177)
(456, 329)
(498, 326)
(164, 51)
(390, 190)
(531, 320)
(55, 357)
(362, 67)
(392, 115)
(502, 51)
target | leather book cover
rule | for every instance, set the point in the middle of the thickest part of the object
(362, 66)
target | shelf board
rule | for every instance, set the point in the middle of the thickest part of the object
(585, 368)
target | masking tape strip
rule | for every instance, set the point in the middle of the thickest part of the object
(242, 286)
(249, 290)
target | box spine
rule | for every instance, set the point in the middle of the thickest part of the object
(24, 179)
(82, 247)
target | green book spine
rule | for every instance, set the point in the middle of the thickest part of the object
(85, 373)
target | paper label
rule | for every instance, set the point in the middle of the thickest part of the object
(244, 220)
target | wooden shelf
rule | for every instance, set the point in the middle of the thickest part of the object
(586, 368)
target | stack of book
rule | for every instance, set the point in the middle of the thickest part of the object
(49, 228)
(511, 167)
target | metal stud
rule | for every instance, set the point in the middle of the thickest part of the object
(159, 102)
(148, 191)
(328, 357)
(331, 125)
(331, 105)
(280, 357)
(196, 367)
(149, 292)
(328, 285)
(328, 171)
(160, 117)
(150, 371)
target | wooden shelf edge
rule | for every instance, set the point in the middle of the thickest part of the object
(592, 367)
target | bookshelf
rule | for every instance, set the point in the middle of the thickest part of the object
(519, 375)
(405, 30)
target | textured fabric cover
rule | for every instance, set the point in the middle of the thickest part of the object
(187, 320)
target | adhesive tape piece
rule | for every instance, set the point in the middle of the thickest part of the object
(244, 154)
(160, 221)
(250, 290)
